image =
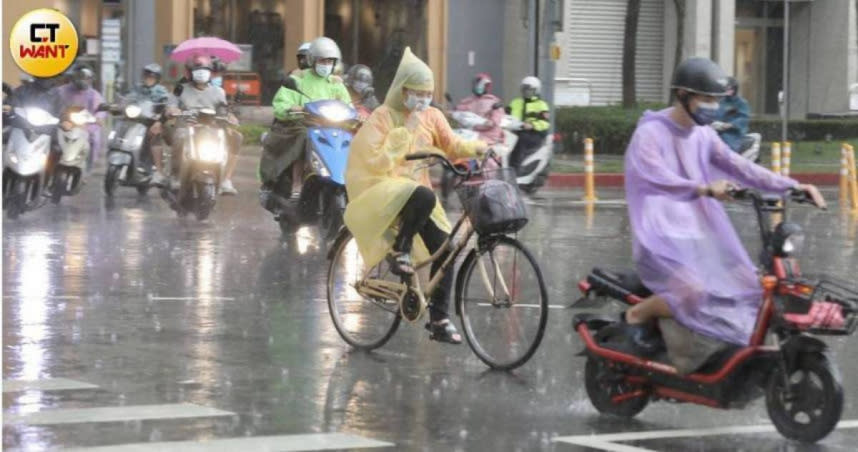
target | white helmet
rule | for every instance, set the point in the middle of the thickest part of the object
(532, 83)
(322, 48)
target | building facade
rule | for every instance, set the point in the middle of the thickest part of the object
(746, 37)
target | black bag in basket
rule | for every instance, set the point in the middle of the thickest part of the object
(494, 206)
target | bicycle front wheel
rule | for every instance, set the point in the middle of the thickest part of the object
(503, 302)
(362, 322)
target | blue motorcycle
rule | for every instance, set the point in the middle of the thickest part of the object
(330, 126)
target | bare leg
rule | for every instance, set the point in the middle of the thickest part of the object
(231, 163)
(157, 151)
(650, 308)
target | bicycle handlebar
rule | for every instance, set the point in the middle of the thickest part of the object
(797, 196)
(444, 161)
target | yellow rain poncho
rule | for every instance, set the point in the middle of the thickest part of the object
(378, 179)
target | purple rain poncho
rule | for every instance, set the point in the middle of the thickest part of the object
(684, 246)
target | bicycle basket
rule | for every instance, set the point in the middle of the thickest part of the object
(493, 203)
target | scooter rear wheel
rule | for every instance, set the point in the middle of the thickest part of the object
(604, 383)
(812, 406)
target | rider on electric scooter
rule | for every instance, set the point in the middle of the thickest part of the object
(282, 163)
(487, 105)
(685, 249)
(733, 118)
(534, 112)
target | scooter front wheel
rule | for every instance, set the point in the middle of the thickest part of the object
(806, 403)
(111, 180)
(609, 391)
(206, 197)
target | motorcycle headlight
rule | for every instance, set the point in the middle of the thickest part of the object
(211, 151)
(335, 112)
(318, 166)
(788, 239)
(38, 117)
(81, 118)
(133, 111)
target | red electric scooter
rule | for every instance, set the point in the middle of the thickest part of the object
(793, 370)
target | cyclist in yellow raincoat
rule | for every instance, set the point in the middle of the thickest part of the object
(391, 199)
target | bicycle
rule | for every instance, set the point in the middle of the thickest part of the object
(367, 305)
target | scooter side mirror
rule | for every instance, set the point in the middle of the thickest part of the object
(448, 98)
(289, 83)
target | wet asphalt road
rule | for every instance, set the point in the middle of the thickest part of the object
(224, 325)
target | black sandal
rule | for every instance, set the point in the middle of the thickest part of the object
(444, 331)
(400, 263)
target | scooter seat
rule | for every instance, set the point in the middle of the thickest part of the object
(618, 284)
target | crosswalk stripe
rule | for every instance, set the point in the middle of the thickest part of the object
(113, 414)
(281, 443)
(47, 384)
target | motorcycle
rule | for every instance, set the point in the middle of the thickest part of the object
(533, 168)
(750, 145)
(27, 136)
(202, 164)
(330, 127)
(794, 372)
(74, 146)
(129, 161)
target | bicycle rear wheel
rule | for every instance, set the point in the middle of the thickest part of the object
(503, 302)
(363, 323)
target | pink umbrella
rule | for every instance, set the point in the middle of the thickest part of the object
(210, 46)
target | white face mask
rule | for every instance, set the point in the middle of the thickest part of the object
(201, 75)
(415, 103)
(324, 70)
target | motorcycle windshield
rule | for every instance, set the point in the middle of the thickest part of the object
(331, 110)
(332, 145)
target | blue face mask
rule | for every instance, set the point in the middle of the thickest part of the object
(218, 81)
(706, 113)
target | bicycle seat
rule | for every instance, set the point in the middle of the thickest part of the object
(617, 283)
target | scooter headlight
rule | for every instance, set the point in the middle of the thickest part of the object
(335, 112)
(788, 239)
(38, 117)
(133, 111)
(318, 166)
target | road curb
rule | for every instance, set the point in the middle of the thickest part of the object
(570, 180)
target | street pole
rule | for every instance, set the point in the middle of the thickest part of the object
(785, 77)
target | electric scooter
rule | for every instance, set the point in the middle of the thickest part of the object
(792, 369)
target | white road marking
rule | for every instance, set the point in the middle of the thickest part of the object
(281, 443)
(191, 298)
(49, 297)
(113, 414)
(607, 441)
(47, 384)
(525, 305)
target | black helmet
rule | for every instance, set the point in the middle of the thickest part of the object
(700, 75)
(82, 76)
(218, 65)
